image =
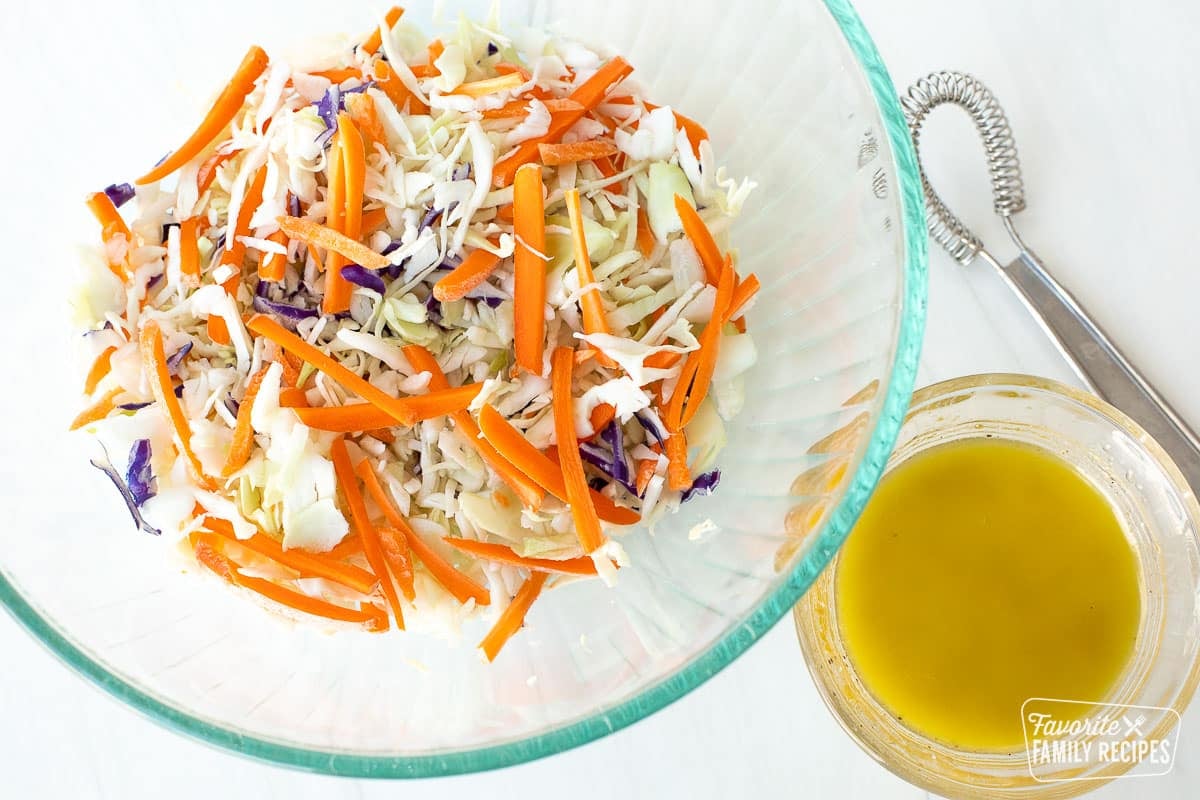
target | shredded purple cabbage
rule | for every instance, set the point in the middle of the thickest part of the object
(597, 483)
(293, 205)
(154, 281)
(333, 101)
(107, 326)
(361, 276)
(138, 476)
(133, 406)
(492, 49)
(615, 439)
(120, 193)
(166, 230)
(433, 307)
(653, 427)
(602, 460)
(431, 216)
(232, 405)
(177, 358)
(703, 485)
(179, 390)
(105, 466)
(461, 172)
(289, 313)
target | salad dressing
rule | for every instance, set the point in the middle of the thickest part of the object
(983, 573)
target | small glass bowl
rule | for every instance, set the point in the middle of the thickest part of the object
(1161, 518)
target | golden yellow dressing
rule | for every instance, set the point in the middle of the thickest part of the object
(982, 573)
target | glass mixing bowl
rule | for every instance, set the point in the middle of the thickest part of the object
(795, 96)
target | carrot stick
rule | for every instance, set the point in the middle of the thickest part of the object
(645, 471)
(365, 417)
(154, 363)
(513, 617)
(453, 581)
(111, 225)
(398, 409)
(697, 371)
(98, 410)
(661, 360)
(272, 266)
(399, 558)
(587, 524)
(373, 220)
(391, 85)
(594, 319)
(436, 48)
(464, 278)
(338, 74)
(488, 86)
(702, 240)
(601, 415)
(351, 545)
(374, 41)
(529, 491)
(208, 170)
(694, 130)
(189, 251)
(529, 295)
(335, 200)
(505, 555)
(100, 368)
(679, 477)
(235, 251)
(315, 565)
(291, 397)
(316, 235)
(221, 114)
(554, 155)
(520, 107)
(209, 552)
(588, 95)
(748, 287)
(517, 450)
(361, 525)
(243, 434)
(361, 108)
(645, 236)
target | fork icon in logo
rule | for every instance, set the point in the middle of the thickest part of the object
(1134, 727)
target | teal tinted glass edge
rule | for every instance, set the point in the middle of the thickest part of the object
(704, 666)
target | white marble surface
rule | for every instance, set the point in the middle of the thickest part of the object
(1105, 110)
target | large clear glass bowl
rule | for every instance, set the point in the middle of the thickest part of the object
(794, 95)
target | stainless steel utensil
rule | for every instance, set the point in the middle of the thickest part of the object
(1095, 358)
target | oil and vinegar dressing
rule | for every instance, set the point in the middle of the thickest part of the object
(982, 573)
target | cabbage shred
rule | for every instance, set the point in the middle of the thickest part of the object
(432, 180)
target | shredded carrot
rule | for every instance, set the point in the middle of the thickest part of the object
(661, 360)
(584, 355)
(400, 95)
(528, 490)
(111, 226)
(373, 42)
(243, 434)
(362, 111)
(373, 220)
(271, 266)
(208, 170)
(594, 318)
(382, 434)
(645, 236)
(398, 409)
(488, 86)
(312, 565)
(606, 167)
(218, 331)
(452, 580)
(554, 155)
(516, 449)
(235, 250)
(464, 278)
(189, 251)
(435, 49)
(645, 471)
(697, 371)
(508, 68)
(679, 477)
(291, 397)
(346, 548)
(399, 558)
(100, 368)
(316, 235)
(208, 550)
(222, 113)
(745, 290)
(701, 238)
(338, 74)
(589, 95)
(513, 617)
(154, 363)
(587, 524)
(98, 410)
(365, 417)
(505, 555)
(361, 525)
(335, 203)
(601, 415)
(529, 295)
(520, 107)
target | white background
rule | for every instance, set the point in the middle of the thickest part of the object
(1105, 107)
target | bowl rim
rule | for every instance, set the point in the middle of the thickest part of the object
(721, 653)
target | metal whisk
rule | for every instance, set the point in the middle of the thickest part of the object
(1095, 358)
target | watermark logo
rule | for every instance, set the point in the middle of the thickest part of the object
(1064, 736)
